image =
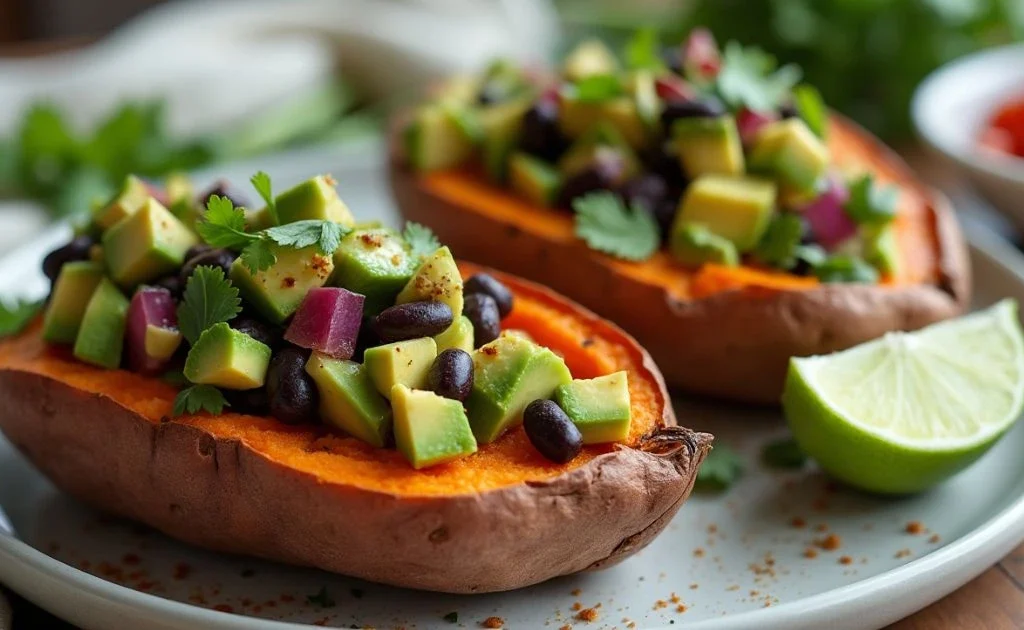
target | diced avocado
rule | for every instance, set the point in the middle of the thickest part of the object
(435, 140)
(430, 429)
(100, 338)
(315, 198)
(276, 292)
(400, 363)
(534, 179)
(790, 152)
(602, 142)
(577, 117)
(348, 399)
(708, 146)
(374, 262)
(133, 194)
(501, 125)
(178, 187)
(72, 291)
(589, 58)
(438, 280)
(693, 245)
(599, 407)
(641, 87)
(146, 245)
(735, 208)
(161, 343)
(510, 373)
(457, 90)
(459, 335)
(258, 219)
(228, 358)
(880, 249)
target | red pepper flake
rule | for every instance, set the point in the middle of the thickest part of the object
(694, 586)
(587, 614)
(577, 606)
(287, 282)
(934, 539)
(576, 592)
(131, 559)
(674, 599)
(902, 553)
(698, 552)
(181, 571)
(830, 542)
(681, 608)
(658, 605)
(566, 627)
(493, 622)
(810, 552)
(489, 350)
(798, 522)
(845, 560)
(915, 528)
(712, 529)
(224, 608)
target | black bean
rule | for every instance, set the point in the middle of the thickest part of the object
(708, 107)
(540, 135)
(662, 160)
(412, 320)
(212, 258)
(173, 284)
(195, 250)
(789, 110)
(258, 330)
(665, 214)
(367, 339)
(451, 374)
(222, 188)
(551, 431)
(482, 311)
(76, 249)
(489, 285)
(251, 401)
(647, 189)
(291, 393)
(605, 173)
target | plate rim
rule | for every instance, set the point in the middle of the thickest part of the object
(930, 575)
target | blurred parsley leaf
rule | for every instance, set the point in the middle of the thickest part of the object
(199, 398)
(643, 51)
(261, 182)
(598, 88)
(845, 268)
(870, 203)
(778, 246)
(784, 453)
(326, 235)
(605, 223)
(722, 467)
(421, 239)
(749, 78)
(16, 315)
(223, 225)
(209, 299)
(812, 108)
(258, 256)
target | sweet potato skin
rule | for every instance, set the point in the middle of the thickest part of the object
(733, 344)
(223, 495)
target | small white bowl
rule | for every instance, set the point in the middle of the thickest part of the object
(951, 108)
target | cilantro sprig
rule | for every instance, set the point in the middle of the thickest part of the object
(780, 244)
(720, 470)
(199, 398)
(261, 182)
(209, 299)
(749, 78)
(870, 203)
(642, 51)
(420, 239)
(598, 88)
(783, 454)
(606, 224)
(16, 315)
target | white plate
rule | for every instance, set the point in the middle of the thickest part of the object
(733, 561)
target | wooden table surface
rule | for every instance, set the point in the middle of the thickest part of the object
(993, 601)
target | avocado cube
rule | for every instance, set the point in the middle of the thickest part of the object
(599, 407)
(146, 245)
(161, 343)
(228, 358)
(430, 429)
(277, 292)
(438, 280)
(509, 373)
(693, 245)
(459, 335)
(534, 179)
(348, 399)
(400, 363)
(736, 208)
(501, 125)
(578, 117)
(590, 57)
(314, 199)
(435, 140)
(71, 294)
(374, 262)
(708, 146)
(642, 87)
(880, 247)
(100, 338)
(790, 152)
(133, 194)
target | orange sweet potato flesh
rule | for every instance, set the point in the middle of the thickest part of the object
(500, 519)
(721, 331)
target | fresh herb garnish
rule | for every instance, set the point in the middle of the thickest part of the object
(15, 316)
(845, 268)
(321, 599)
(642, 51)
(326, 235)
(209, 299)
(779, 245)
(223, 225)
(199, 398)
(452, 617)
(261, 182)
(605, 223)
(598, 88)
(784, 453)
(749, 78)
(720, 470)
(812, 109)
(420, 239)
(871, 203)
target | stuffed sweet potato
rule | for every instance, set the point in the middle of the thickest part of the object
(477, 512)
(784, 232)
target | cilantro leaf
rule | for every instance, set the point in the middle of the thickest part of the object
(778, 246)
(784, 453)
(812, 108)
(421, 239)
(322, 598)
(605, 223)
(642, 51)
(845, 268)
(598, 88)
(871, 204)
(223, 225)
(749, 78)
(326, 235)
(14, 317)
(720, 470)
(199, 398)
(261, 182)
(209, 299)
(258, 256)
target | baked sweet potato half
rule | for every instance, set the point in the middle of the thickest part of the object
(500, 519)
(721, 311)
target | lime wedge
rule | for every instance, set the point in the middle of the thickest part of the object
(901, 413)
